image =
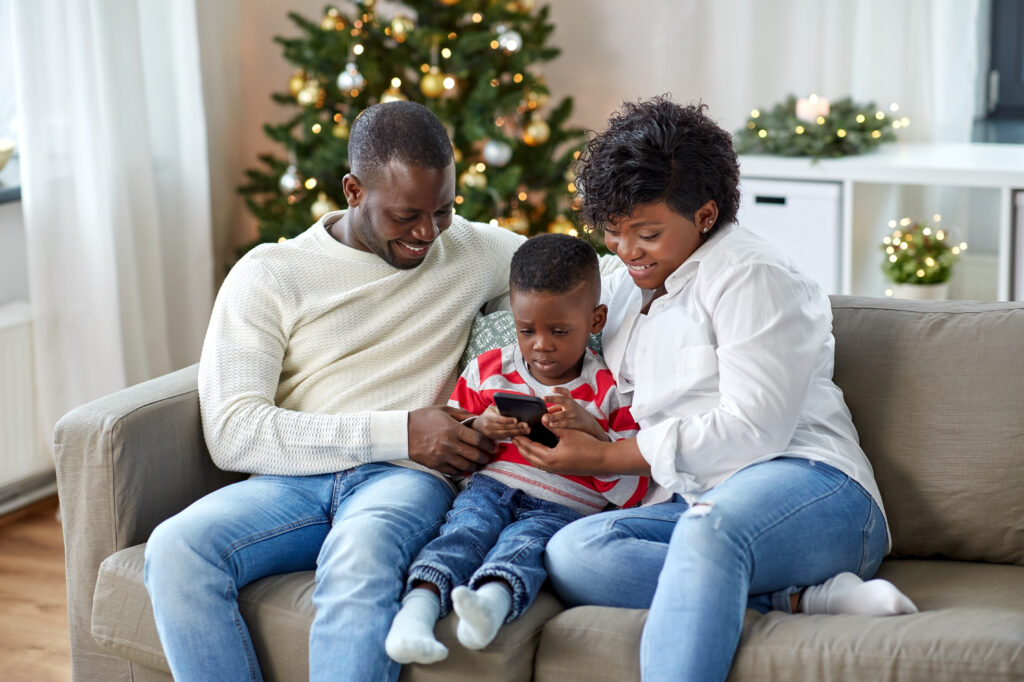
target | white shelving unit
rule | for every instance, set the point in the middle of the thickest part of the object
(983, 181)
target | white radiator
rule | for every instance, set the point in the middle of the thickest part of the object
(26, 469)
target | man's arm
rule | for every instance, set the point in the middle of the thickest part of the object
(247, 432)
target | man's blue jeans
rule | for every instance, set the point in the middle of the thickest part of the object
(492, 531)
(750, 542)
(359, 529)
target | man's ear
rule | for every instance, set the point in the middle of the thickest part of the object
(353, 188)
(598, 318)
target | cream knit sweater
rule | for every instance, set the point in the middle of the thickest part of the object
(316, 351)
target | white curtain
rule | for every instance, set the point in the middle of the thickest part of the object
(115, 192)
(739, 54)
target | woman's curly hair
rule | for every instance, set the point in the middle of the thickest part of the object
(657, 150)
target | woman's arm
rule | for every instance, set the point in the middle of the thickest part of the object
(580, 454)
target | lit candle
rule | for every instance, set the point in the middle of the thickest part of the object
(810, 108)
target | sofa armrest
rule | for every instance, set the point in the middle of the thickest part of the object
(125, 462)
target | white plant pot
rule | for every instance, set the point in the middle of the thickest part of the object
(921, 292)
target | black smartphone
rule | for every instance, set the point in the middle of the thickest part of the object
(529, 409)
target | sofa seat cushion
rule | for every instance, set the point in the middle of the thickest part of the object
(279, 611)
(971, 627)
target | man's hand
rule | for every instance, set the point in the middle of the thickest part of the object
(437, 440)
(493, 425)
(566, 413)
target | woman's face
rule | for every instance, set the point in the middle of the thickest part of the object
(655, 240)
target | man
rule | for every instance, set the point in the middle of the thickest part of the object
(322, 366)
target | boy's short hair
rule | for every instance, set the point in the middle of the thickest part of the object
(657, 150)
(401, 130)
(554, 263)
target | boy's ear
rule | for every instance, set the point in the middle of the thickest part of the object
(598, 318)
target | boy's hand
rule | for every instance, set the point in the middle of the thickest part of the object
(493, 425)
(566, 413)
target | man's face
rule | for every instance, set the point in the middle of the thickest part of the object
(553, 330)
(400, 213)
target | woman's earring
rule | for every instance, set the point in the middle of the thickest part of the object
(707, 227)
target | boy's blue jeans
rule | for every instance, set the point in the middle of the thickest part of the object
(492, 531)
(359, 529)
(764, 532)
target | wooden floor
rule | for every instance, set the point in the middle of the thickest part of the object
(33, 609)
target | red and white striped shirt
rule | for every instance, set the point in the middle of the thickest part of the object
(504, 370)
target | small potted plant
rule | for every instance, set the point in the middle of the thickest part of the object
(919, 259)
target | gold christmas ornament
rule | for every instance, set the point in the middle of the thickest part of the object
(562, 225)
(330, 20)
(432, 83)
(401, 26)
(449, 3)
(521, 6)
(536, 132)
(311, 94)
(393, 94)
(340, 129)
(322, 206)
(457, 154)
(297, 82)
(471, 178)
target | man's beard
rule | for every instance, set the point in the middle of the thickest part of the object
(379, 246)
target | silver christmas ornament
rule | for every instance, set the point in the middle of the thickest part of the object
(291, 181)
(510, 41)
(497, 153)
(350, 78)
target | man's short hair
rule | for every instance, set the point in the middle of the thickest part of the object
(554, 263)
(657, 150)
(406, 131)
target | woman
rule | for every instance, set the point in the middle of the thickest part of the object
(729, 353)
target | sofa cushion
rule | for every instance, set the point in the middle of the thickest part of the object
(279, 611)
(936, 391)
(971, 627)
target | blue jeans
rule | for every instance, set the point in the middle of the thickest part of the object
(492, 531)
(359, 529)
(752, 541)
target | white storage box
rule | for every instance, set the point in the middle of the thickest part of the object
(802, 219)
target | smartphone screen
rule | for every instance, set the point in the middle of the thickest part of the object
(529, 409)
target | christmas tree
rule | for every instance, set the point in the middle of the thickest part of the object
(470, 62)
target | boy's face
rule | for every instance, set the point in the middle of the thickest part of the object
(553, 330)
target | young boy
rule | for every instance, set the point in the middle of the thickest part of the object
(487, 561)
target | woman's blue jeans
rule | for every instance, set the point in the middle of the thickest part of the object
(493, 531)
(359, 529)
(750, 542)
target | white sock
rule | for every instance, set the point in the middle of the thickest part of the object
(411, 638)
(481, 612)
(846, 593)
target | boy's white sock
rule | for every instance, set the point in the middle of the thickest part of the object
(481, 612)
(411, 638)
(847, 593)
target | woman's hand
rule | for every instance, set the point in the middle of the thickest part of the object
(566, 413)
(580, 454)
(493, 425)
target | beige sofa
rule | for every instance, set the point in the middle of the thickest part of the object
(937, 394)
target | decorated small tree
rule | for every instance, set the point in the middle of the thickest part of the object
(472, 62)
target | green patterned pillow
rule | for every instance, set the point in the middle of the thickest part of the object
(496, 330)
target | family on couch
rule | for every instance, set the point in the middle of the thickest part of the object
(327, 358)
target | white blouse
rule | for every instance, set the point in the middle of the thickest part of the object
(731, 367)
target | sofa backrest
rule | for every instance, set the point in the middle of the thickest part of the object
(936, 390)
